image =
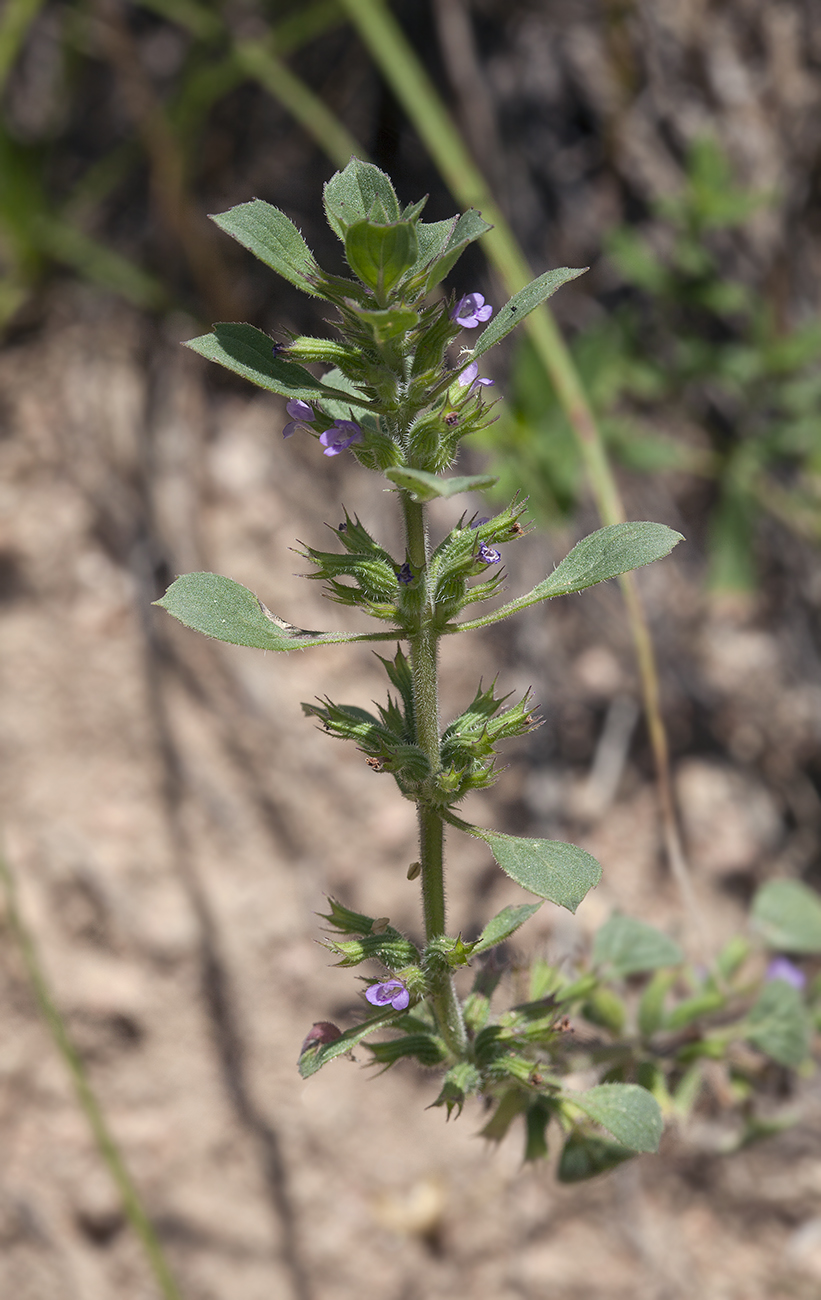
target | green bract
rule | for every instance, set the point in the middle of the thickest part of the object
(398, 393)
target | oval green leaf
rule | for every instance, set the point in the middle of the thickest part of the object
(424, 486)
(561, 873)
(522, 304)
(274, 239)
(248, 352)
(227, 611)
(629, 946)
(627, 1111)
(787, 915)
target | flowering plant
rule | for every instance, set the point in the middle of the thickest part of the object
(400, 401)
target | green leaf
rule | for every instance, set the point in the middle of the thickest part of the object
(584, 1156)
(627, 1111)
(445, 253)
(427, 1049)
(779, 1025)
(460, 1081)
(425, 487)
(274, 239)
(522, 304)
(247, 351)
(350, 196)
(315, 1057)
(380, 255)
(787, 915)
(561, 873)
(630, 946)
(503, 925)
(604, 554)
(227, 611)
(537, 1119)
(391, 322)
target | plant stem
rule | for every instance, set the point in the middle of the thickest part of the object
(384, 38)
(130, 1197)
(423, 656)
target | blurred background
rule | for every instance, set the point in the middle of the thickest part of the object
(172, 820)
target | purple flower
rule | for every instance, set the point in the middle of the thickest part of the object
(405, 575)
(303, 415)
(471, 310)
(782, 969)
(488, 554)
(391, 991)
(340, 436)
(468, 376)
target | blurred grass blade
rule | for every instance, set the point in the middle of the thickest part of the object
(301, 102)
(15, 21)
(132, 1205)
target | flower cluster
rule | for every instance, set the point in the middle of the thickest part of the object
(341, 435)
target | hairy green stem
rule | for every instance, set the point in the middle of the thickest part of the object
(130, 1197)
(423, 656)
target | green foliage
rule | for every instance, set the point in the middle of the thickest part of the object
(314, 1058)
(503, 925)
(521, 305)
(788, 916)
(629, 946)
(584, 1155)
(561, 873)
(779, 1024)
(227, 611)
(274, 239)
(604, 554)
(248, 352)
(628, 1112)
(424, 487)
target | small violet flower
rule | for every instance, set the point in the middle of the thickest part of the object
(405, 575)
(489, 554)
(391, 991)
(486, 554)
(471, 310)
(782, 969)
(303, 415)
(340, 436)
(468, 376)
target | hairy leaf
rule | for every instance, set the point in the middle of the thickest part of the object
(424, 486)
(248, 352)
(227, 611)
(779, 1024)
(604, 554)
(561, 873)
(350, 196)
(274, 239)
(503, 925)
(627, 1111)
(584, 1156)
(315, 1057)
(522, 304)
(630, 946)
(788, 916)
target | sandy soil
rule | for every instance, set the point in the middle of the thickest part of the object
(174, 822)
